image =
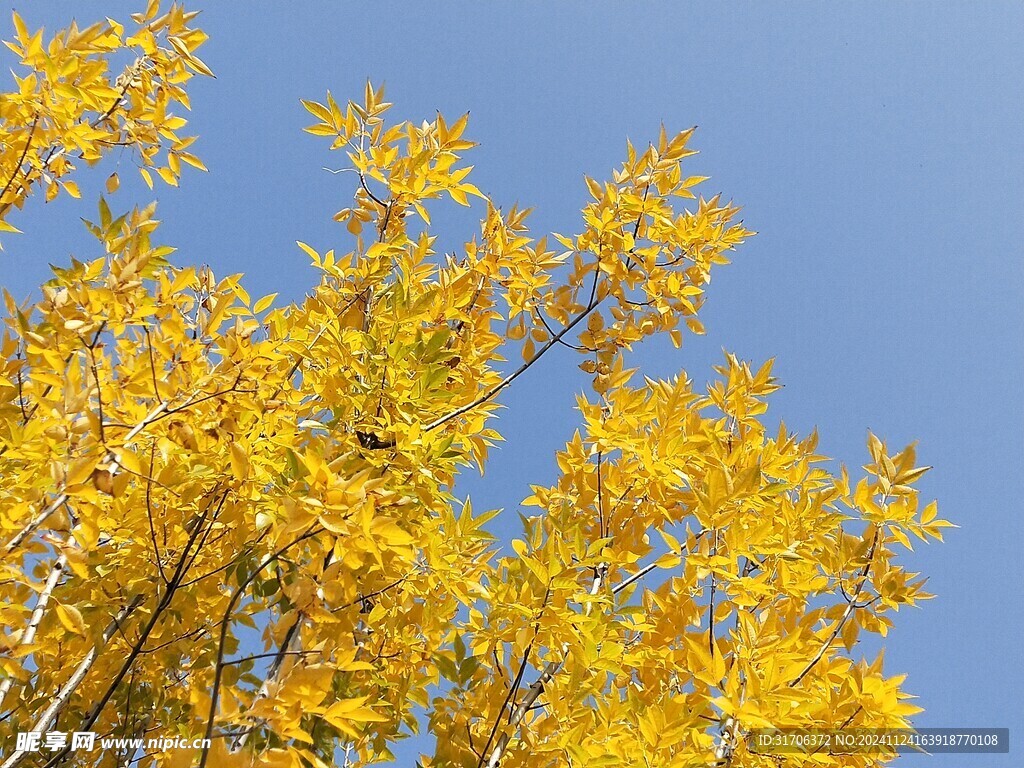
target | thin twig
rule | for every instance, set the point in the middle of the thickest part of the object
(225, 622)
(851, 606)
(21, 162)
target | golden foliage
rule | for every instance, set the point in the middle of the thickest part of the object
(70, 105)
(195, 465)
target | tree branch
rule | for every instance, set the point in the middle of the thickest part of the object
(61, 699)
(21, 162)
(37, 616)
(110, 458)
(225, 622)
(850, 607)
(137, 647)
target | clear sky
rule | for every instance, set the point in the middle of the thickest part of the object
(876, 147)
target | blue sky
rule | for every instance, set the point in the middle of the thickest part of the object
(877, 149)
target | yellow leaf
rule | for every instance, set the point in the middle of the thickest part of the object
(178, 44)
(192, 160)
(130, 461)
(394, 535)
(71, 618)
(318, 110)
(168, 176)
(20, 28)
(310, 252)
(80, 470)
(239, 461)
(875, 447)
(905, 478)
(200, 66)
(364, 715)
(78, 560)
(263, 303)
(528, 349)
(351, 710)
